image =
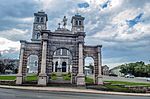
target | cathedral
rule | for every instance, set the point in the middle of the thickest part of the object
(62, 50)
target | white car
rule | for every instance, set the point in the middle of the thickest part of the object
(148, 79)
(129, 76)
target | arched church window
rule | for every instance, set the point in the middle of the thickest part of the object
(64, 66)
(38, 35)
(80, 23)
(42, 19)
(37, 19)
(76, 23)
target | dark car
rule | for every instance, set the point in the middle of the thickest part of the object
(113, 75)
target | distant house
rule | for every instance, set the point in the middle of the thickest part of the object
(87, 71)
(116, 70)
(105, 70)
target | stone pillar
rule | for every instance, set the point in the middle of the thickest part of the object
(67, 67)
(99, 77)
(19, 76)
(43, 76)
(80, 76)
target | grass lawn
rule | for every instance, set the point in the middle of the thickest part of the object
(31, 78)
(89, 80)
(7, 77)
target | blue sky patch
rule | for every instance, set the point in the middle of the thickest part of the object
(134, 21)
(83, 5)
(105, 4)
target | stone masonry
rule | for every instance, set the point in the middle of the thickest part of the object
(45, 42)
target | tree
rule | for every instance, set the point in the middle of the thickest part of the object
(137, 69)
(2, 67)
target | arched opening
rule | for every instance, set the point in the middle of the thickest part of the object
(63, 60)
(89, 69)
(64, 66)
(32, 64)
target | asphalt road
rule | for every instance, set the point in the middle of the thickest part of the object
(27, 94)
(136, 79)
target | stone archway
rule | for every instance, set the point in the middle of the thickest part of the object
(49, 42)
(62, 58)
(32, 64)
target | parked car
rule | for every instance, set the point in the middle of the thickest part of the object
(113, 75)
(129, 76)
(148, 79)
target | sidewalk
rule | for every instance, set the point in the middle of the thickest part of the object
(77, 90)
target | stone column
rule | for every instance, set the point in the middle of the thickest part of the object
(19, 76)
(67, 67)
(80, 76)
(99, 78)
(43, 76)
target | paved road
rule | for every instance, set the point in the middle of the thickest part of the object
(136, 79)
(27, 94)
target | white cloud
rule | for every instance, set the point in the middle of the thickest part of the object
(8, 46)
(23, 20)
(14, 34)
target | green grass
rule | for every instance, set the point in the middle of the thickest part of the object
(116, 88)
(7, 77)
(128, 83)
(31, 78)
(89, 80)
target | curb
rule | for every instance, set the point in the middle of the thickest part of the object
(58, 89)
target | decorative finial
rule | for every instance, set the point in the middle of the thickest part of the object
(59, 25)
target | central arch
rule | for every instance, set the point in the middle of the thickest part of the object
(62, 59)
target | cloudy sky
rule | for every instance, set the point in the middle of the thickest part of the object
(121, 26)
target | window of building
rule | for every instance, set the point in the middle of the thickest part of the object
(76, 23)
(37, 19)
(42, 19)
(38, 35)
(80, 23)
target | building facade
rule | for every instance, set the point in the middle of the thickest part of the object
(62, 50)
(105, 70)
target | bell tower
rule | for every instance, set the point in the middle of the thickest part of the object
(77, 23)
(40, 23)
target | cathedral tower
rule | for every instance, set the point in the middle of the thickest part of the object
(77, 23)
(40, 23)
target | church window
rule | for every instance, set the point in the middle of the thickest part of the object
(37, 19)
(38, 35)
(80, 23)
(76, 23)
(42, 19)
